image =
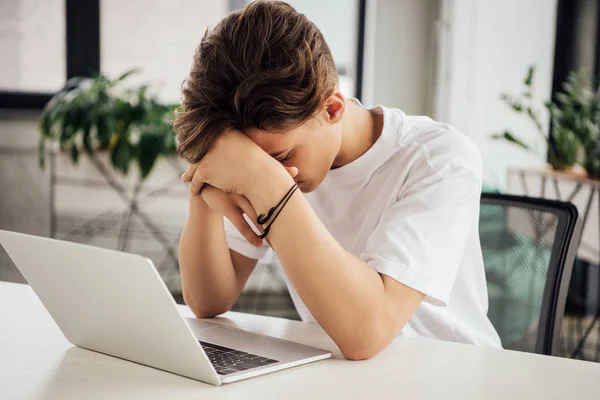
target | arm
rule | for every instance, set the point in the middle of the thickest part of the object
(212, 276)
(359, 308)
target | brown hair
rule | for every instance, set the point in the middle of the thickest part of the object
(265, 66)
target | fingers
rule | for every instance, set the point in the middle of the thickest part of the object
(212, 196)
(247, 208)
(233, 208)
(237, 219)
(189, 173)
(197, 181)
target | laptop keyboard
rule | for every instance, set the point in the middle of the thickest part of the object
(228, 361)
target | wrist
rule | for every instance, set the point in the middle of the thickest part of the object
(199, 208)
(274, 183)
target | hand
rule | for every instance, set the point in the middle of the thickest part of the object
(233, 207)
(235, 164)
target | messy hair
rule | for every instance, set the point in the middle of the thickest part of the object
(265, 66)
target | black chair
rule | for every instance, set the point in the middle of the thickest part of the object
(529, 246)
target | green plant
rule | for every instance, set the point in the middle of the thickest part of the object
(98, 114)
(563, 147)
(577, 110)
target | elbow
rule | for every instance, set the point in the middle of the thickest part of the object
(356, 354)
(207, 312)
(360, 352)
(365, 346)
(202, 310)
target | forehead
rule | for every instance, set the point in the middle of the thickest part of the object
(270, 142)
(277, 141)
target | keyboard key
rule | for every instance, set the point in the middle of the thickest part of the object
(247, 364)
(214, 346)
(227, 360)
(253, 362)
(226, 371)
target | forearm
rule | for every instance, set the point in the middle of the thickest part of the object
(209, 282)
(345, 295)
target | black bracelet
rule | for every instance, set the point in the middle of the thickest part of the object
(285, 199)
(264, 218)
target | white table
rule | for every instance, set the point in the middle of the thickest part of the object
(36, 361)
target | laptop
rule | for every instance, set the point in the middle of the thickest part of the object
(116, 303)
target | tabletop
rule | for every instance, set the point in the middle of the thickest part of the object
(37, 362)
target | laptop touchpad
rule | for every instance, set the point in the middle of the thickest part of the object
(198, 325)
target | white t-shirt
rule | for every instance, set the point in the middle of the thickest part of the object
(409, 208)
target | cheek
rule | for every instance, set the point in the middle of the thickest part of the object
(314, 165)
(315, 157)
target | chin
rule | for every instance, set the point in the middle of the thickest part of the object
(307, 187)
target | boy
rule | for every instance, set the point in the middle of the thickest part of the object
(382, 236)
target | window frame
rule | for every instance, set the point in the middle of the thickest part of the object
(82, 19)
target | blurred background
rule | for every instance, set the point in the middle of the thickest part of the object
(87, 89)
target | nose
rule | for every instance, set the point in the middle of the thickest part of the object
(293, 171)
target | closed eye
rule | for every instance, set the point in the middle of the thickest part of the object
(286, 158)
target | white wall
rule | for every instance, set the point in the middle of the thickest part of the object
(399, 54)
(451, 59)
(487, 50)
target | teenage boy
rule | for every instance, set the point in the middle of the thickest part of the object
(382, 236)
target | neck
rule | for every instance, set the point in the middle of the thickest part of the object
(360, 130)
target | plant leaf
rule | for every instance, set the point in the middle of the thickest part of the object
(74, 153)
(529, 78)
(42, 152)
(149, 148)
(91, 112)
(506, 135)
(87, 139)
(125, 74)
(120, 156)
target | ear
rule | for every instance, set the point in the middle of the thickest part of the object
(335, 106)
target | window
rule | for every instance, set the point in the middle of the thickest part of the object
(32, 45)
(159, 37)
(338, 21)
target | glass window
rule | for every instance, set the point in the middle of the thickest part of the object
(338, 21)
(32, 45)
(158, 37)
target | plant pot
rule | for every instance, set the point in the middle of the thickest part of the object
(575, 170)
(592, 166)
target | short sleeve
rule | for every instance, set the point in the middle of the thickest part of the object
(238, 243)
(421, 238)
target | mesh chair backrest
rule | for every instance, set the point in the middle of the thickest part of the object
(528, 250)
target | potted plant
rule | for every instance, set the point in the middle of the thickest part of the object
(563, 146)
(577, 110)
(97, 114)
(575, 120)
